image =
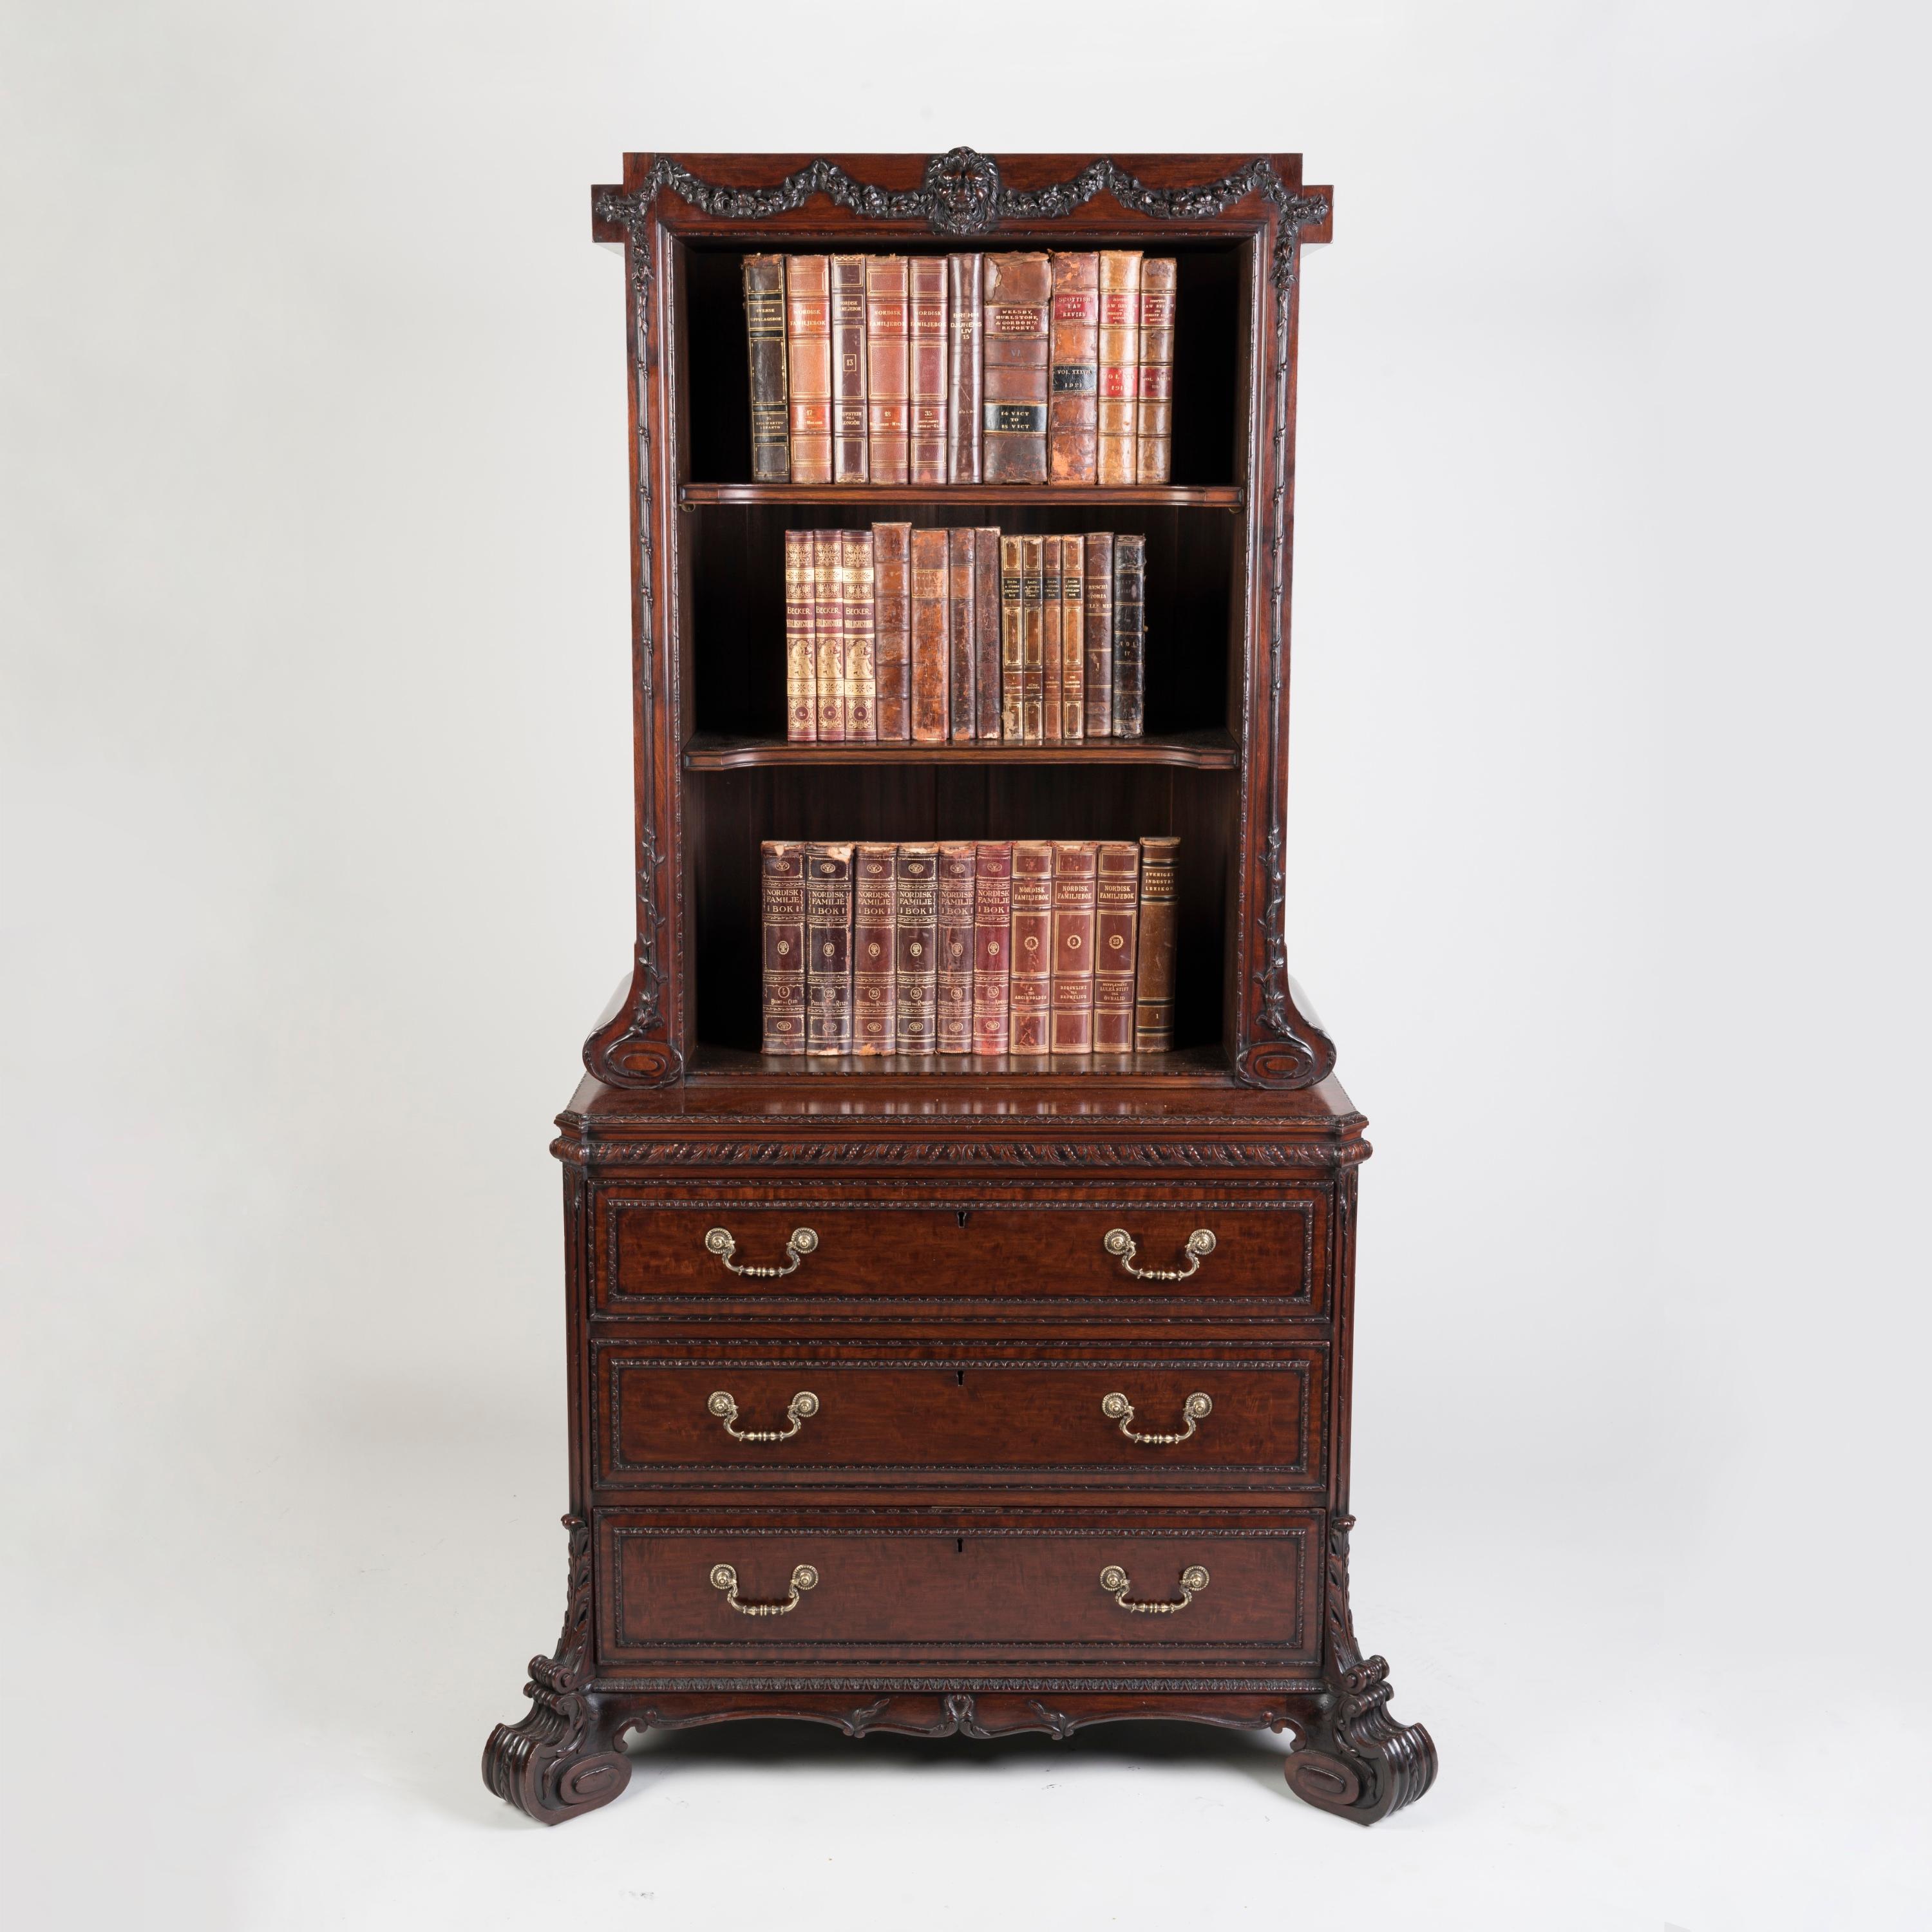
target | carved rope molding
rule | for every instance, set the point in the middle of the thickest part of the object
(964, 1153)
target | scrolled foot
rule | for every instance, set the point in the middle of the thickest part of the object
(1361, 1764)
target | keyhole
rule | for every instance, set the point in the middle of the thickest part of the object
(959, 1375)
(959, 1545)
(962, 1214)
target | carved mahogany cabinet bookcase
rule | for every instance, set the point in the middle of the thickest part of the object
(919, 1448)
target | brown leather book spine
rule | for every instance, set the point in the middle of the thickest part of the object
(808, 364)
(1071, 1027)
(828, 636)
(828, 948)
(1129, 635)
(1033, 661)
(992, 935)
(961, 625)
(1012, 642)
(783, 866)
(887, 367)
(1050, 668)
(1019, 292)
(801, 665)
(1072, 419)
(931, 637)
(1098, 705)
(892, 629)
(1072, 640)
(926, 454)
(1120, 366)
(916, 961)
(1030, 946)
(986, 634)
(771, 397)
(1154, 426)
(966, 295)
(874, 942)
(861, 689)
(1154, 966)
(957, 939)
(848, 369)
(1117, 898)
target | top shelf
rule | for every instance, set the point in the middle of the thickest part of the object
(1219, 497)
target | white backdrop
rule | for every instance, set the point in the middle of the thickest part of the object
(1610, 653)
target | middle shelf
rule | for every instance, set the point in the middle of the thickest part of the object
(1205, 750)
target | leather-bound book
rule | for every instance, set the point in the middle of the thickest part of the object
(808, 365)
(1117, 897)
(916, 962)
(1072, 1028)
(1154, 428)
(1097, 703)
(1050, 670)
(848, 369)
(986, 634)
(887, 368)
(1129, 635)
(1019, 291)
(782, 863)
(992, 935)
(961, 578)
(1032, 638)
(931, 638)
(1072, 417)
(1030, 945)
(856, 580)
(874, 942)
(828, 636)
(801, 665)
(1072, 640)
(1153, 967)
(828, 948)
(957, 941)
(892, 629)
(765, 331)
(1120, 366)
(926, 455)
(1012, 642)
(966, 295)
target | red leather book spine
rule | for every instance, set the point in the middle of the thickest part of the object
(1099, 706)
(1050, 670)
(1120, 366)
(771, 396)
(1019, 291)
(986, 634)
(801, 665)
(828, 636)
(1071, 1029)
(1153, 967)
(1030, 947)
(891, 622)
(809, 359)
(992, 933)
(957, 941)
(887, 367)
(927, 451)
(1116, 896)
(1012, 642)
(966, 294)
(856, 575)
(962, 685)
(874, 941)
(916, 962)
(828, 948)
(783, 866)
(931, 638)
(1129, 635)
(1072, 410)
(1155, 414)
(1072, 640)
(1033, 661)
(848, 369)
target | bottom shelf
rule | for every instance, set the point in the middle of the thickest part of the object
(1200, 1065)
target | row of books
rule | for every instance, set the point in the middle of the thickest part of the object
(987, 947)
(1024, 367)
(964, 636)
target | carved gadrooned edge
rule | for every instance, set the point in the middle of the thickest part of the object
(1031, 1155)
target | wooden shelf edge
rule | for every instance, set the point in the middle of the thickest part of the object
(1214, 497)
(1201, 751)
(1197, 1066)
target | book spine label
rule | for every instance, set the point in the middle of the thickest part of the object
(1154, 968)
(931, 637)
(801, 666)
(809, 361)
(1099, 698)
(783, 867)
(986, 634)
(957, 915)
(771, 396)
(1071, 1030)
(848, 369)
(1120, 366)
(1154, 423)
(1012, 642)
(1019, 291)
(887, 367)
(1050, 670)
(1073, 397)
(1129, 635)
(1030, 945)
(1117, 895)
(828, 636)
(928, 331)
(1032, 662)
(916, 963)
(857, 577)
(966, 291)
(892, 623)
(874, 940)
(1072, 640)
(962, 683)
(828, 948)
(992, 932)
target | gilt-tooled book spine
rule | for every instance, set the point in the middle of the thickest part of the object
(1129, 635)
(992, 932)
(1012, 643)
(927, 333)
(1099, 705)
(1072, 1027)
(1120, 366)
(874, 941)
(1032, 639)
(966, 293)
(848, 369)
(1154, 968)
(986, 634)
(828, 948)
(801, 665)
(892, 621)
(828, 636)
(771, 403)
(957, 939)
(856, 576)
(916, 958)
(1117, 895)
(931, 637)
(1050, 670)
(962, 685)
(1072, 419)
(1029, 984)
(808, 363)
(1154, 428)
(887, 368)
(782, 864)
(1072, 640)
(1012, 444)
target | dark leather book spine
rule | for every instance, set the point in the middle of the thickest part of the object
(1012, 643)
(887, 368)
(801, 665)
(1117, 897)
(915, 960)
(1154, 424)
(1073, 416)
(962, 683)
(808, 357)
(828, 636)
(828, 948)
(1030, 946)
(957, 941)
(1072, 640)
(874, 942)
(892, 625)
(1129, 635)
(1153, 967)
(848, 369)
(856, 575)
(992, 934)
(783, 866)
(1019, 291)
(1072, 1027)
(1098, 704)
(1120, 366)
(966, 295)
(931, 637)
(1033, 661)
(926, 453)
(986, 634)
(771, 396)
(1051, 672)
